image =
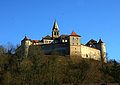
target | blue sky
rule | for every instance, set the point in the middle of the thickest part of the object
(35, 18)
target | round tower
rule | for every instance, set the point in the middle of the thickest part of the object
(102, 48)
(25, 43)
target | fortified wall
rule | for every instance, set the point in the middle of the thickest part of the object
(88, 52)
(63, 45)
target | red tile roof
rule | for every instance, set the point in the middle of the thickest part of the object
(74, 34)
(35, 41)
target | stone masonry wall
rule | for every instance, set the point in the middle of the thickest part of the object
(88, 52)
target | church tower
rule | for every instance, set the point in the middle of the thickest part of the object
(55, 30)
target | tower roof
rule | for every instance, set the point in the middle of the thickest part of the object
(100, 41)
(55, 26)
(26, 38)
(74, 34)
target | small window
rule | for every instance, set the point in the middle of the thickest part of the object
(75, 48)
(57, 33)
(73, 39)
(87, 55)
(54, 33)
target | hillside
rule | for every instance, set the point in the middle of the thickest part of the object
(39, 69)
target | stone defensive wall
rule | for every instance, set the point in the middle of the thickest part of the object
(48, 49)
(89, 52)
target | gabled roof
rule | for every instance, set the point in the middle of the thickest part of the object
(74, 34)
(64, 36)
(48, 37)
(91, 42)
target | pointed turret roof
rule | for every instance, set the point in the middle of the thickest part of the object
(100, 41)
(26, 38)
(74, 34)
(55, 26)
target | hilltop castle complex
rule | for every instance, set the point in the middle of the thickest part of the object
(65, 45)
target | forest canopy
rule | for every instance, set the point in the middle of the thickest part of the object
(39, 69)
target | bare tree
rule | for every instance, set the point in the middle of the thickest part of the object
(10, 48)
(2, 49)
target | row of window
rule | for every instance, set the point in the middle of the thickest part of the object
(56, 33)
(75, 44)
(48, 41)
(74, 38)
(64, 40)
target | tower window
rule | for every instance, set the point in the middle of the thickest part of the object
(73, 39)
(76, 38)
(57, 33)
(54, 33)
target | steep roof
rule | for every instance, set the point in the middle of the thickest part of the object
(74, 34)
(55, 26)
(48, 37)
(63, 36)
(100, 41)
(92, 43)
(26, 38)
